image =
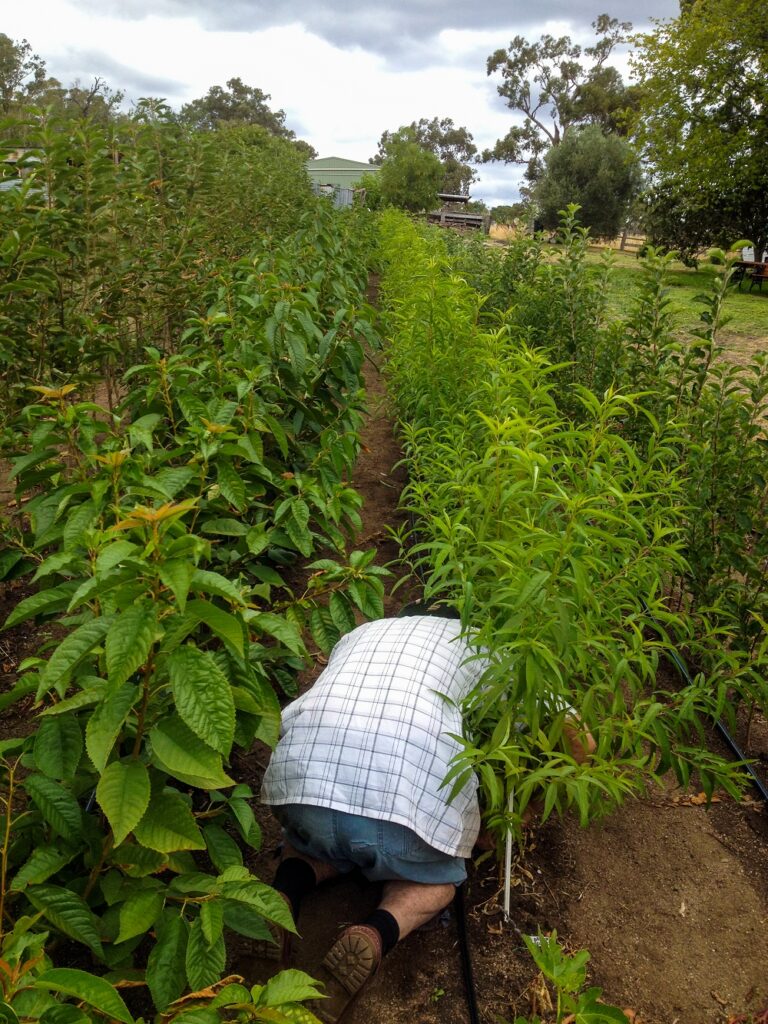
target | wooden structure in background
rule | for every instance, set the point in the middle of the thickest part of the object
(453, 214)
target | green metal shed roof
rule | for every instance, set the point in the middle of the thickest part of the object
(336, 170)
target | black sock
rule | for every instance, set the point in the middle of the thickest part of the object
(387, 927)
(295, 878)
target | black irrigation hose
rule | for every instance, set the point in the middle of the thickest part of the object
(460, 909)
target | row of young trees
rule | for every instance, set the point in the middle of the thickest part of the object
(158, 534)
(588, 491)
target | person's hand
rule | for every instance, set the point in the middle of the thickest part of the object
(580, 743)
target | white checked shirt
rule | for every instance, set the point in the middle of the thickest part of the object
(371, 736)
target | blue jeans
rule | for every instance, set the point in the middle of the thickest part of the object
(383, 850)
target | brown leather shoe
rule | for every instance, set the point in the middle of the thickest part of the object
(347, 968)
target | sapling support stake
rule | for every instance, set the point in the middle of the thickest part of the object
(508, 858)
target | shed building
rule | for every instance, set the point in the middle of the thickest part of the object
(335, 170)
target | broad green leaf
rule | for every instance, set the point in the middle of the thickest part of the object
(139, 913)
(79, 521)
(87, 988)
(341, 612)
(258, 539)
(129, 641)
(68, 912)
(73, 649)
(590, 1011)
(295, 525)
(281, 629)
(204, 962)
(123, 794)
(186, 757)
(231, 994)
(203, 696)
(232, 485)
(223, 527)
(269, 903)
(177, 575)
(91, 695)
(246, 822)
(43, 862)
(203, 1015)
(173, 479)
(56, 804)
(246, 921)
(289, 987)
(58, 746)
(222, 848)
(115, 553)
(212, 920)
(137, 862)
(168, 825)
(224, 624)
(324, 632)
(106, 722)
(215, 583)
(368, 596)
(166, 974)
(278, 433)
(65, 1013)
(48, 600)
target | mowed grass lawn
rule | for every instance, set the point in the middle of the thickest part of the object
(747, 329)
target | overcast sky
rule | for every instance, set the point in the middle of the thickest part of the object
(343, 73)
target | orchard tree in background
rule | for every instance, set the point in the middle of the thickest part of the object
(599, 172)
(703, 126)
(410, 177)
(555, 90)
(452, 144)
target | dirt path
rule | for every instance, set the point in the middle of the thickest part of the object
(670, 898)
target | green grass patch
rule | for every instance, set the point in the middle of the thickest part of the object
(748, 311)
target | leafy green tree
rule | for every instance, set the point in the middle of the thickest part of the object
(372, 184)
(20, 70)
(508, 214)
(549, 84)
(703, 126)
(410, 177)
(452, 144)
(599, 172)
(238, 102)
